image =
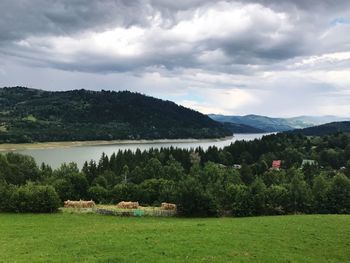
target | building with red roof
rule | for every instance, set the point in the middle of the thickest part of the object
(276, 164)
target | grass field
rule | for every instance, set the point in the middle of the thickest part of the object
(67, 237)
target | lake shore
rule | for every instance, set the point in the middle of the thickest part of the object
(9, 147)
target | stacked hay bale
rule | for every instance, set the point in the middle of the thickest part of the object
(79, 204)
(168, 206)
(128, 205)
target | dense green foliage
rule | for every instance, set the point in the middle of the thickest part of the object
(28, 115)
(328, 128)
(29, 198)
(204, 183)
(94, 238)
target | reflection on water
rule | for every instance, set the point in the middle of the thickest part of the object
(55, 157)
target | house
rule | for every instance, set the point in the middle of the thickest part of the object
(276, 164)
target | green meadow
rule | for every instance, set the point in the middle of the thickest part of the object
(64, 237)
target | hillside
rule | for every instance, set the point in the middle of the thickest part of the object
(29, 115)
(325, 129)
(268, 124)
(241, 128)
(69, 238)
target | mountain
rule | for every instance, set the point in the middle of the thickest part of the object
(268, 124)
(28, 115)
(325, 129)
(241, 128)
(301, 122)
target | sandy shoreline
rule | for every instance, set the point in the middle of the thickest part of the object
(8, 147)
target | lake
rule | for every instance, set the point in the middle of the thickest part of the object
(56, 156)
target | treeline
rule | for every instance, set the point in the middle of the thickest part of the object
(201, 183)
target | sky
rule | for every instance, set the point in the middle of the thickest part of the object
(278, 58)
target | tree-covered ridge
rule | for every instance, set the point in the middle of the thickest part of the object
(199, 182)
(241, 128)
(268, 124)
(28, 115)
(328, 128)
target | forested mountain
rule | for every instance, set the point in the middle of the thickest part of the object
(28, 115)
(241, 128)
(268, 124)
(325, 129)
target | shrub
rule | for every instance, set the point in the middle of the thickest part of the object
(193, 200)
(5, 195)
(241, 200)
(98, 193)
(339, 195)
(34, 199)
(276, 200)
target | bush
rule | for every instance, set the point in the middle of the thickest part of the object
(241, 200)
(34, 199)
(98, 193)
(5, 195)
(193, 200)
(276, 200)
(339, 195)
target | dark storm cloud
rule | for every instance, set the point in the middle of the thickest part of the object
(258, 44)
(25, 18)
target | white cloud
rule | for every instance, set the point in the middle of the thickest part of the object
(219, 101)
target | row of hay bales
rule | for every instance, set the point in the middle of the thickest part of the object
(79, 204)
(125, 208)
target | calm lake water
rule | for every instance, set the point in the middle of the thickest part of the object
(56, 156)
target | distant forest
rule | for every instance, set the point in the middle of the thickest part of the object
(328, 128)
(29, 115)
(237, 180)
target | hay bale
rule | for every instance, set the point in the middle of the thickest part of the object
(128, 205)
(79, 204)
(168, 206)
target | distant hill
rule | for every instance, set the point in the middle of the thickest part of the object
(241, 128)
(325, 129)
(268, 124)
(301, 122)
(28, 115)
(265, 124)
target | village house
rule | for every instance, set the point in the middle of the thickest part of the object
(276, 165)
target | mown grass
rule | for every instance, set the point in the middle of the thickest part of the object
(67, 237)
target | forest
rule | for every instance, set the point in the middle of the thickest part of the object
(201, 183)
(328, 128)
(31, 115)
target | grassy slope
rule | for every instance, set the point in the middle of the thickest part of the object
(94, 238)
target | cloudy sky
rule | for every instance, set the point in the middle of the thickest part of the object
(277, 57)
